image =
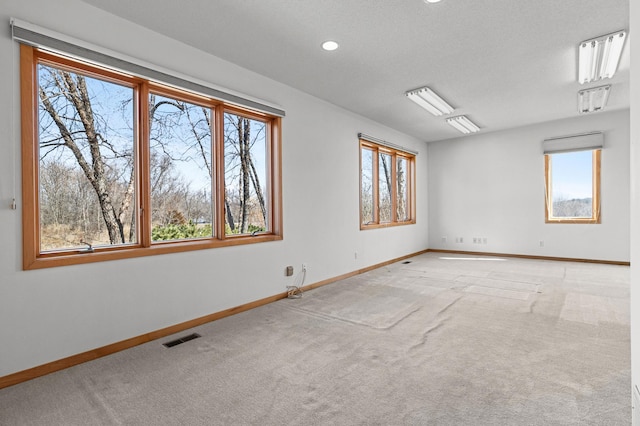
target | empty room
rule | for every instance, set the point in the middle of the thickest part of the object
(278, 212)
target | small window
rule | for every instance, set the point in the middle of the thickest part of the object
(386, 186)
(573, 187)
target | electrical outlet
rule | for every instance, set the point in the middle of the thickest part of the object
(484, 240)
(288, 271)
(541, 243)
(444, 239)
(461, 240)
(304, 267)
(355, 254)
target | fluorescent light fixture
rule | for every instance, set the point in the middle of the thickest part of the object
(463, 124)
(429, 100)
(599, 57)
(593, 99)
(330, 45)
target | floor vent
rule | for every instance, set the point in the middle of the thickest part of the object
(181, 340)
(406, 262)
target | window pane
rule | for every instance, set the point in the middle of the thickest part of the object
(366, 191)
(180, 156)
(572, 184)
(402, 207)
(385, 188)
(245, 175)
(86, 161)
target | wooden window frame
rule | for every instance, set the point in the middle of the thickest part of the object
(34, 258)
(272, 174)
(595, 198)
(411, 193)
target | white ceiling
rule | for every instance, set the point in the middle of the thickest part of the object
(504, 63)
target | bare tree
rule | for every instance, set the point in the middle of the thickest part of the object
(87, 138)
(385, 201)
(241, 169)
(180, 153)
(401, 207)
(65, 98)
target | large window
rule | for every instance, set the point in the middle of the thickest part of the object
(386, 186)
(116, 166)
(573, 186)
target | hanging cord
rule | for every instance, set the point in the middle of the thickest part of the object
(14, 158)
(295, 291)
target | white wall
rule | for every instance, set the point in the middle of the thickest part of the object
(492, 185)
(635, 206)
(49, 314)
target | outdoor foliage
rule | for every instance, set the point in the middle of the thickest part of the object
(88, 173)
(180, 232)
(572, 208)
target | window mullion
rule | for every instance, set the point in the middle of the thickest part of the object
(411, 189)
(596, 185)
(144, 164)
(376, 186)
(218, 199)
(394, 188)
(360, 215)
(547, 188)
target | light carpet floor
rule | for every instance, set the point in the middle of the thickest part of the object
(442, 340)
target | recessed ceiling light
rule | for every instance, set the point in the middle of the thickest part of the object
(330, 45)
(431, 1)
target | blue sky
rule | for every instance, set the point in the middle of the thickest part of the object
(571, 175)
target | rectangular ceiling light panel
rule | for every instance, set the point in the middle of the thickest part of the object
(599, 57)
(594, 99)
(429, 100)
(463, 124)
